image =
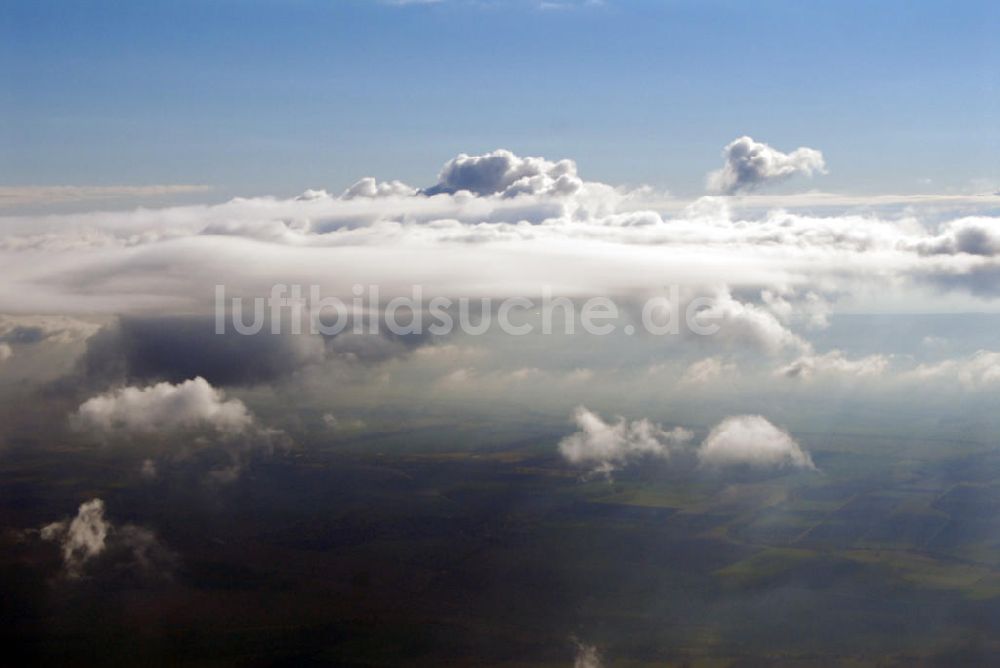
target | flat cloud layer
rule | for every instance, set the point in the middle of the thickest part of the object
(495, 225)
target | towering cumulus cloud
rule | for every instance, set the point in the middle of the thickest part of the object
(751, 164)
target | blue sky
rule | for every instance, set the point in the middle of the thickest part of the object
(274, 97)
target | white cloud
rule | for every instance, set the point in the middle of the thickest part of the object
(751, 164)
(89, 535)
(745, 323)
(191, 405)
(82, 538)
(972, 236)
(334, 423)
(370, 188)
(156, 415)
(525, 232)
(750, 440)
(6, 352)
(834, 363)
(706, 370)
(607, 446)
(505, 174)
(587, 656)
(148, 469)
(978, 371)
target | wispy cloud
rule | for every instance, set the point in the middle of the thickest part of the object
(28, 195)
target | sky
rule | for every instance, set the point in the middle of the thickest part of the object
(258, 98)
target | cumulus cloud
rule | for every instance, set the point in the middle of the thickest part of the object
(729, 320)
(334, 423)
(751, 164)
(193, 405)
(179, 420)
(972, 236)
(834, 362)
(505, 174)
(148, 469)
(370, 188)
(979, 371)
(81, 538)
(587, 656)
(90, 536)
(752, 441)
(707, 370)
(606, 446)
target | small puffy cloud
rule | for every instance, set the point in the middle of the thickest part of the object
(370, 188)
(91, 536)
(334, 423)
(707, 370)
(608, 446)
(731, 321)
(148, 469)
(505, 174)
(971, 236)
(81, 538)
(587, 656)
(834, 363)
(750, 440)
(193, 405)
(182, 419)
(981, 370)
(751, 164)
